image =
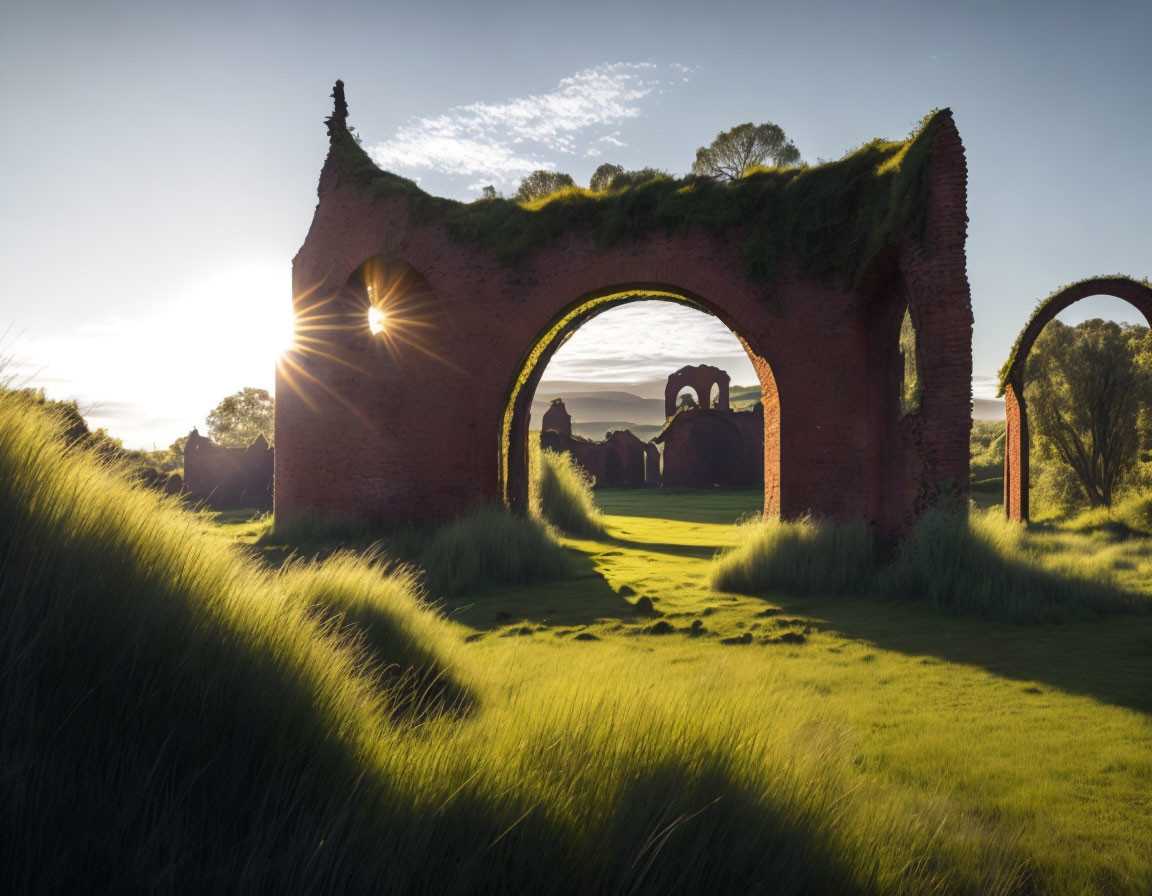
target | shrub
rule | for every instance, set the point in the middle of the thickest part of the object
(801, 557)
(492, 546)
(982, 564)
(978, 564)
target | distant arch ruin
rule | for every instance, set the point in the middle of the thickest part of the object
(1137, 293)
(701, 379)
(424, 324)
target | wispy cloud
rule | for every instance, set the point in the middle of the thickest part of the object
(506, 140)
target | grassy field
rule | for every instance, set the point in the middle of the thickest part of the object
(183, 708)
(1019, 757)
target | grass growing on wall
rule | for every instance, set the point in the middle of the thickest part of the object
(831, 219)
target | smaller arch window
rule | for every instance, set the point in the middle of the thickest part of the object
(910, 382)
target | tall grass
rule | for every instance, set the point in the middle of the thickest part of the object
(801, 557)
(972, 564)
(169, 712)
(175, 717)
(984, 565)
(562, 494)
(489, 547)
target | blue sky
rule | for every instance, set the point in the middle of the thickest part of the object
(161, 159)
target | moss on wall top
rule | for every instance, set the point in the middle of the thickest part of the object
(831, 219)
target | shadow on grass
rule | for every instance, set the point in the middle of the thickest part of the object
(970, 591)
(581, 600)
(695, 551)
(1107, 659)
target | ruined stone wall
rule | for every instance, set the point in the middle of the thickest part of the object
(415, 429)
(621, 459)
(712, 448)
(228, 478)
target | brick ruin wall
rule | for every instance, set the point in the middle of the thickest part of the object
(228, 478)
(377, 428)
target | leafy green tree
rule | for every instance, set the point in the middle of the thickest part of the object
(240, 418)
(489, 192)
(542, 183)
(603, 176)
(614, 177)
(733, 153)
(1086, 388)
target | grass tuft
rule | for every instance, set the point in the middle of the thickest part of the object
(977, 564)
(984, 565)
(490, 547)
(802, 557)
(562, 494)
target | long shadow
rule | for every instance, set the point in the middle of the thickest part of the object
(697, 551)
(579, 601)
(1109, 659)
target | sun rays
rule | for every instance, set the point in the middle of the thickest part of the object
(383, 314)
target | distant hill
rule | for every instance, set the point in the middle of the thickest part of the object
(611, 406)
(598, 429)
(594, 413)
(988, 409)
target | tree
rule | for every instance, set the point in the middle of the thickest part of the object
(603, 176)
(1086, 388)
(542, 183)
(614, 177)
(733, 153)
(489, 192)
(240, 418)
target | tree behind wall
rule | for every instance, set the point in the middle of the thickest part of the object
(1088, 388)
(733, 153)
(240, 418)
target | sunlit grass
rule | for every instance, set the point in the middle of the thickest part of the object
(974, 563)
(176, 716)
(561, 493)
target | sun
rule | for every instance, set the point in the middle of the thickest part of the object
(377, 319)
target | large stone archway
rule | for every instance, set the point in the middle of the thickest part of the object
(1138, 293)
(429, 416)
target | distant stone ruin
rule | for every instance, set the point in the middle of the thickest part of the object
(228, 478)
(404, 296)
(621, 459)
(708, 447)
(703, 446)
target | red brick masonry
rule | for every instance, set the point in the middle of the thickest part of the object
(424, 420)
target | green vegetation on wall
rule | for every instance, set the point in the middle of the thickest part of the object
(1009, 363)
(831, 219)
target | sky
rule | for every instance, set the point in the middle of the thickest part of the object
(161, 159)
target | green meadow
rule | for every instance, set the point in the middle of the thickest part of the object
(198, 702)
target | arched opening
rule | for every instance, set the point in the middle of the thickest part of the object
(1013, 376)
(910, 383)
(894, 395)
(688, 398)
(641, 462)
